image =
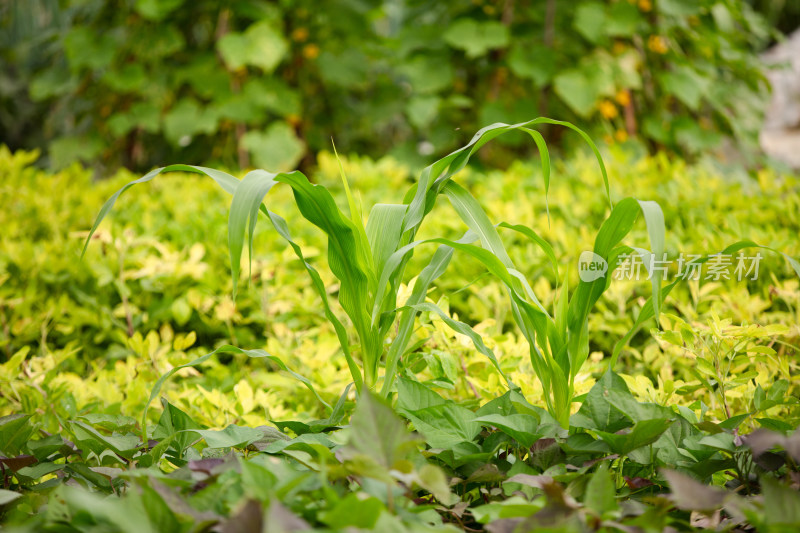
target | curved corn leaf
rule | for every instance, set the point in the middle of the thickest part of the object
(476, 219)
(464, 329)
(226, 181)
(434, 177)
(384, 232)
(246, 203)
(536, 239)
(618, 224)
(347, 255)
(319, 286)
(435, 268)
(544, 155)
(535, 319)
(369, 261)
(654, 219)
(473, 215)
(354, 209)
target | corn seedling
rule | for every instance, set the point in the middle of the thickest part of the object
(370, 261)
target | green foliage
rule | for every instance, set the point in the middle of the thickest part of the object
(242, 443)
(370, 269)
(251, 82)
(376, 474)
(173, 287)
(370, 266)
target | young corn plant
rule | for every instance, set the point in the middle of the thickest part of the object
(370, 262)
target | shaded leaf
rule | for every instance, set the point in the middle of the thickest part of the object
(691, 495)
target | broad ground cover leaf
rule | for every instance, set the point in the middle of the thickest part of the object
(381, 447)
(520, 427)
(301, 428)
(691, 495)
(86, 508)
(444, 426)
(311, 439)
(46, 447)
(157, 509)
(15, 464)
(442, 422)
(378, 434)
(86, 437)
(352, 511)
(15, 430)
(8, 496)
(109, 422)
(626, 404)
(414, 396)
(173, 425)
(514, 507)
(763, 440)
(317, 426)
(600, 491)
(641, 434)
(781, 504)
(231, 437)
(597, 412)
(670, 447)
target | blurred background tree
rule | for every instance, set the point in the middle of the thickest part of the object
(261, 83)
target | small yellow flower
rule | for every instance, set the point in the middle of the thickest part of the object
(293, 119)
(645, 5)
(618, 47)
(607, 109)
(657, 44)
(623, 97)
(300, 34)
(621, 136)
(310, 51)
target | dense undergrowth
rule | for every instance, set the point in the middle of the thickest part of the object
(690, 433)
